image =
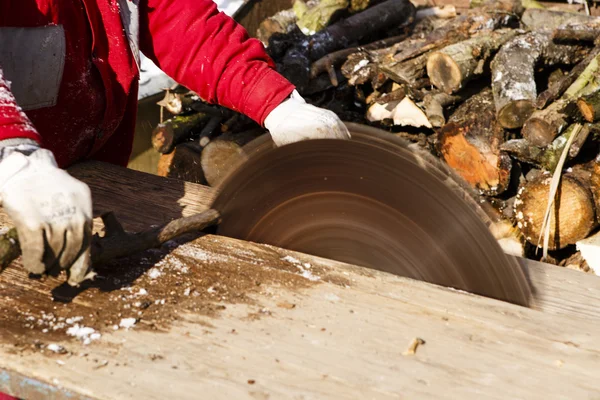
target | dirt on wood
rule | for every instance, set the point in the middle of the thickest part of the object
(148, 292)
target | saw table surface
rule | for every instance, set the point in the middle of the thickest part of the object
(218, 318)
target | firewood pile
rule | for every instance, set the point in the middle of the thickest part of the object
(507, 93)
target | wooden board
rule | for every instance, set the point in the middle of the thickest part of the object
(220, 318)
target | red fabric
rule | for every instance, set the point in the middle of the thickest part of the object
(7, 397)
(95, 114)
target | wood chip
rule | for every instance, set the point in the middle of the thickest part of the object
(412, 347)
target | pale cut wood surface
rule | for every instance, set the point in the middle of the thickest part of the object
(341, 336)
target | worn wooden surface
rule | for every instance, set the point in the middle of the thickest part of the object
(220, 318)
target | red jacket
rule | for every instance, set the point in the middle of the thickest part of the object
(92, 114)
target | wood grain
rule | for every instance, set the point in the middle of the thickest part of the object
(302, 327)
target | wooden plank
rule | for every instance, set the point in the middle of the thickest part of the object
(340, 337)
(221, 318)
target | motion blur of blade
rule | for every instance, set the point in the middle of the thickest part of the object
(370, 201)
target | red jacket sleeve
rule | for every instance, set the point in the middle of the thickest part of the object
(209, 53)
(13, 121)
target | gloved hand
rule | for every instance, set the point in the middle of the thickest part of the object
(52, 212)
(295, 120)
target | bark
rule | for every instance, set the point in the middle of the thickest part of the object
(175, 130)
(435, 103)
(470, 144)
(410, 59)
(585, 33)
(117, 243)
(557, 89)
(391, 60)
(546, 157)
(589, 106)
(183, 163)
(537, 19)
(335, 59)
(282, 22)
(453, 66)
(313, 16)
(295, 64)
(544, 125)
(574, 214)
(513, 73)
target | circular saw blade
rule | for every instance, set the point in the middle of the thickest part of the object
(370, 201)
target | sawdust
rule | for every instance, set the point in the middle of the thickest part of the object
(147, 292)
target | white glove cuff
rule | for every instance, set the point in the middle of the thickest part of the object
(21, 145)
(283, 111)
(17, 162)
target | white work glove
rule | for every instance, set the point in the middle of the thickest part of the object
(51, 210)
(295, 120)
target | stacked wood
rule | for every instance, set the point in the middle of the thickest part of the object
(506, 92)
(544, 125)
(201, 142)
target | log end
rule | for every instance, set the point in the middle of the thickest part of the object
(538, 132)
(182, 163)
(444, 73)
(162, 138)
(217, 159)
(482, 169)
(587, 110)
(574, 211)
(514, 114)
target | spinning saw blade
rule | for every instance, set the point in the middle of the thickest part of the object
(372, 201)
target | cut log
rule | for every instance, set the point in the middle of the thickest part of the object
(548, 156)
(538, 19)
(574, 210)
(544, 125)
(281, 22)
(453, 66)
(513, 73)
(183, 163)
(223, 153)
(175, 130)
(589, 106)
(295, 64)
(405, 62)
(557, 89)
(470, 144)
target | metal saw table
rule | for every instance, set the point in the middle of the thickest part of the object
(218, 318)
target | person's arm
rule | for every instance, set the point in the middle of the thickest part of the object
(51, 210)
(211, 54)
